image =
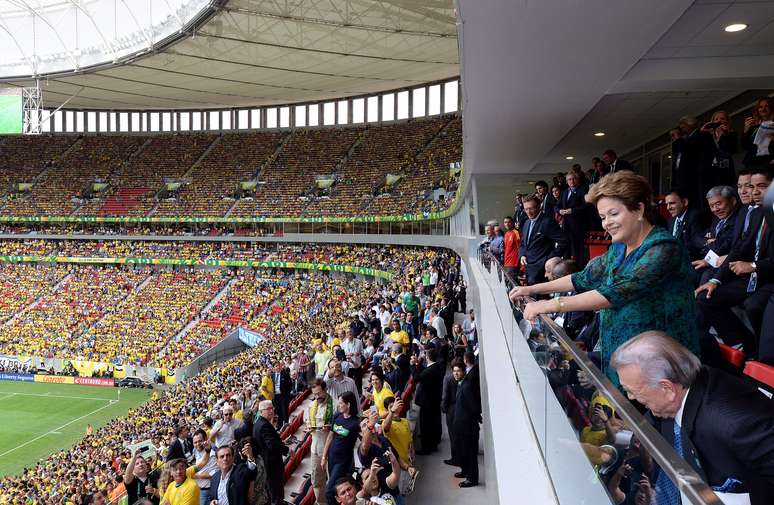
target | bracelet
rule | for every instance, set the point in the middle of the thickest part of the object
(559, 304)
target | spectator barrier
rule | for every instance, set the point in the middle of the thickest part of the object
(561, 407)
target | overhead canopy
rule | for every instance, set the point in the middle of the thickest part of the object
(263, 52)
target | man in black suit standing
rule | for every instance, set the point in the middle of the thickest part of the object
(283, 385)
(429, 380)
(610, 158)
(182, 446)
(721, 425)
(230, 485)
(269, 445)
(572, 205)
(546, 201)
(685, 222)
(542, 238)
(467, 416)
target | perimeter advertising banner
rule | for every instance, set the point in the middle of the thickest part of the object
(284, 265)
(94, 381)
(19, 377)
(54, 379)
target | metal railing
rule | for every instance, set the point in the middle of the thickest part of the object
(687, 481)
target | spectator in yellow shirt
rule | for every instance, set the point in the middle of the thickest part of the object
(399, 336)
(381, 391)
(183, 489)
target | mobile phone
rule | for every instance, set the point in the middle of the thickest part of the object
(373, 409)
(713, 124)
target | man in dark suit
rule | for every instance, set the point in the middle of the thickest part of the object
(720, 236)
(230, 485)
(745, 278)
(467, 416)
(269, 445)
(182, 446)
(572, 205)
(685, 222)
(610, 158)
(429, 380)
(542, 238)
(546, 201)
(721, 425)
(283, 385)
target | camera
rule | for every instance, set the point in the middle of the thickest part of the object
(713, 125)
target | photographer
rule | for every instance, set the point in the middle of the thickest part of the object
(230, 485)
(755, 143)
(720, 143)
(138, 481)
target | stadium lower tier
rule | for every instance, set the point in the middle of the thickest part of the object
(113, 311)
(391, 170)
(160, 315)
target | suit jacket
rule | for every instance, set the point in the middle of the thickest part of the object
(744, 250)
(739, 223)
(577, 221)
(547, 204)
(546, 240)
(180, 448)
(467, 409)
(724, 238)
(689, 232)
(285, 383)
(474, 377)
(619, 165)
(269, 446)
(238, 484)
(429, 381)
(727, 431)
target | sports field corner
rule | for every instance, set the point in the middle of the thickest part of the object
(39, 419)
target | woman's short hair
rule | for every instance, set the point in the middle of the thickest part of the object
(629, 188)
(660, 357)
(348, 397)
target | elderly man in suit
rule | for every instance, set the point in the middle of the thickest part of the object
(542, 238)
(230, 485)
(572, 206)
(271, 449)
(721, 425)
(720, 236)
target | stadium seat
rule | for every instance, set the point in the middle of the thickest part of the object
(733, 356)
(760, 372)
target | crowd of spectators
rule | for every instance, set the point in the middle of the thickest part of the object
(330, 327)
(676, 293)
(207, 171)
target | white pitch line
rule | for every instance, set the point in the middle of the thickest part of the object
(65, 425)
(10, 395)
(47, 395)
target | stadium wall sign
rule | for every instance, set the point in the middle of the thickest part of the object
(54, 379)
(20, 377)
(94, 381)
(284, 265)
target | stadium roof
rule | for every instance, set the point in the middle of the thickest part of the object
(226, 53)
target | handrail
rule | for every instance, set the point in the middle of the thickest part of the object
(677, 469)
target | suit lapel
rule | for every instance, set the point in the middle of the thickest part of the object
(688, 427)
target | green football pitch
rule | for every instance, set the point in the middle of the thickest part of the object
(38, 419)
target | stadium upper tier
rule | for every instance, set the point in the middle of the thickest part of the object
(396, 169)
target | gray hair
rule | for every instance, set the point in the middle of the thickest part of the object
(660, 357)
(726, 192)
(265, 404)
(689, 121)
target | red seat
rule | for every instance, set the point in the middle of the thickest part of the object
(761, 372)
(732, 355)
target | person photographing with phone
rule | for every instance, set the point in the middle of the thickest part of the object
(139, 482)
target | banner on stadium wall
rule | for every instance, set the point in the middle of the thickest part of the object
(249, 338)
(19, 377)
(284, 265)
(54, 379)
(8, 361)
(94, 381)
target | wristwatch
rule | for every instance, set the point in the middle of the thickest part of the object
(754, 266)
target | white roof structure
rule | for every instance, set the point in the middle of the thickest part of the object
(178, 54)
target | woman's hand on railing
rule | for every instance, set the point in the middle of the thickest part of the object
(520, 291)
(533, 309)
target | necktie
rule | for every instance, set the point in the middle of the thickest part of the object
(666, 491)
(529, 232)
(747, 219)
(676, 229)
(719, 226)
(752, 284)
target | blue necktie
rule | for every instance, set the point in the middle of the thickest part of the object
(666, 491)
(747, 219)
(529, 232)
(676, 229)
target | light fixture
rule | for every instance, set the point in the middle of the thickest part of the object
(599, 134)
(736, 27)
(569, 157)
